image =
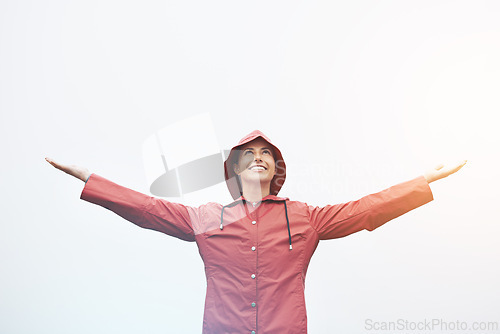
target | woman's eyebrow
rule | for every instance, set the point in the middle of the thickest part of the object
(251, 148)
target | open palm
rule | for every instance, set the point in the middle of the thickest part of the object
(441, 171)
(81, 173)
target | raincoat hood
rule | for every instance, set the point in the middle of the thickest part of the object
(232, 179)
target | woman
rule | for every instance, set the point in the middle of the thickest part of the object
(256, 250)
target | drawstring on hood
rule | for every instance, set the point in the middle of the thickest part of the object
(222, 217)
(234, 185)
(288, 225)
(222, 213)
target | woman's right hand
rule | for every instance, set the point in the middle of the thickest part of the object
(81, 173)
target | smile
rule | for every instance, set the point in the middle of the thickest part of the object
(257, 168)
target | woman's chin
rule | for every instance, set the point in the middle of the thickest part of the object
(257, 177)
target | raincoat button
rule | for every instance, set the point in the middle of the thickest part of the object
(253, 248)
(253, 275)
(254, 222)
(253, 332)
(253, 304)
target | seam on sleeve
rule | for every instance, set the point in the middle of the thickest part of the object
(309, 221)
(144, 211)
(342, 220)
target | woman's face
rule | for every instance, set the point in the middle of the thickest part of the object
(256, 162)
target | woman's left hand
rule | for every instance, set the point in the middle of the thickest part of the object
(441, 171)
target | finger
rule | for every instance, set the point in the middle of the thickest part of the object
(50, 161)
(454, 169)
(59, 166)
(460, 165)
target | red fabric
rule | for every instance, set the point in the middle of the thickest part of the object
(278, 287)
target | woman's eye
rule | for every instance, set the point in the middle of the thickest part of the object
(266, 151)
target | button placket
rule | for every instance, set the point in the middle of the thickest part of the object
(254, 235)
(253, 276)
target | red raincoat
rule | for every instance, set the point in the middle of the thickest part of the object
(255, 278)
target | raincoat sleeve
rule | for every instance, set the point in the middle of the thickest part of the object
(369, 212)
(145, 211)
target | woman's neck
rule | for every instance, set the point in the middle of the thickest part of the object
(255, 192)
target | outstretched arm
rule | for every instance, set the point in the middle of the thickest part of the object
(143, 210)
(372, 211)
(441, 171)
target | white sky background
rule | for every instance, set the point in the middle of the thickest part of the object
(359, 95)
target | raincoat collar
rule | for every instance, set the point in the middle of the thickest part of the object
(266, 198)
